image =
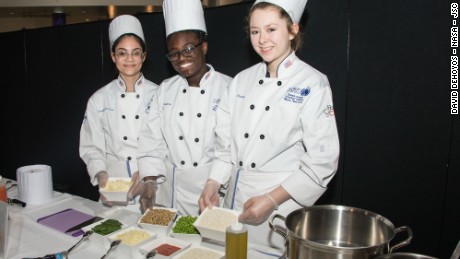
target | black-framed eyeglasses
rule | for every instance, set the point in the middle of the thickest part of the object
(189, 51)
(123, 54)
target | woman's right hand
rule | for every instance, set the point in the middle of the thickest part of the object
(210, 195)
(148, 195)
(102, 179)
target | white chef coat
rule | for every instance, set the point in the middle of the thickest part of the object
(110, 129)
(184, 149)
(276, 132)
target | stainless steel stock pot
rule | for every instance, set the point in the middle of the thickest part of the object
(337, 232)
(404, 256)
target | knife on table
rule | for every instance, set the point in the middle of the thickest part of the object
(16, 201)
(83, 224)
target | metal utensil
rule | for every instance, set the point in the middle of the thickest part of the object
(84, 224)
(151, 254)
(456, 253)
(16, 202)
(114, 244)
(86, 235)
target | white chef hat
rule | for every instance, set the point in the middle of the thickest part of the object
(293, 7)
(124, 24)
(183, 15)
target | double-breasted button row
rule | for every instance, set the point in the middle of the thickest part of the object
(252, 107)
(253, 165)
(185, 90)
(124, 95)
(195, 164)
(124, 117)
(279, 83)
(196, 139)
(197, 115)
(262, 136)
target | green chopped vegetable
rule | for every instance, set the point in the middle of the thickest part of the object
(107, 227)
(184, 225)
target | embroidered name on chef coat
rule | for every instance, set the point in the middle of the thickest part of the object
(147, 106)
(215, 104)
(296, 95)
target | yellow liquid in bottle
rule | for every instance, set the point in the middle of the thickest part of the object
(236, 243)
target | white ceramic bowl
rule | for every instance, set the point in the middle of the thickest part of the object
(116, 194)
(98, 239)
(199, 252)
(156, 228)
(156, 243)
(131, 250)
(212, 223)
(192, 238)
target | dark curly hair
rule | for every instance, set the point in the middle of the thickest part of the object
(138, 39)
(201, 35)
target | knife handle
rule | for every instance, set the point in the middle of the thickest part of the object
(16, 201)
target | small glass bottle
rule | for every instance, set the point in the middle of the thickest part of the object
(236, 241)
(3, 194)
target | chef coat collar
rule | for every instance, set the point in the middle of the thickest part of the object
(206, 77)
(138, 85)
(283, 67)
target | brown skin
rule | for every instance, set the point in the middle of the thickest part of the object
(191, 68)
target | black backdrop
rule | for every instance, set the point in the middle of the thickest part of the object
(388, 65)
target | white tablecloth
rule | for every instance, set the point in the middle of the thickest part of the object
(27, 238)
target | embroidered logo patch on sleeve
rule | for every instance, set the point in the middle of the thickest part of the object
(329, 111)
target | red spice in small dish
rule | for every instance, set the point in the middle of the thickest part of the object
(167, 249)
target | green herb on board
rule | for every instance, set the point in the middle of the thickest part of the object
(107, 227)
(184, 225)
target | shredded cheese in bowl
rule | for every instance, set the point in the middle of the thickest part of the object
(200, 253)
(133, 237)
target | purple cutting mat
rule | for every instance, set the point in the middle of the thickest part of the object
(65, 219)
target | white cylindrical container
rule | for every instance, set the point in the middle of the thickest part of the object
(35, 184)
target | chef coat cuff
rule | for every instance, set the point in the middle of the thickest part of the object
(220, 171)
(94, 167)
(306, 194)
(151, 167)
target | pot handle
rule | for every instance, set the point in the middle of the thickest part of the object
(404, 242)
(278, 229)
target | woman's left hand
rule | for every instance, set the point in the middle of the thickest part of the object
(136, 186)
(257, 210)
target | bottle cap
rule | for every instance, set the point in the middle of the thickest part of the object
(237, 226)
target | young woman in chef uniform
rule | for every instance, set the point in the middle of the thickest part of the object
(114, 113)
(277, 145)
(183, 148)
